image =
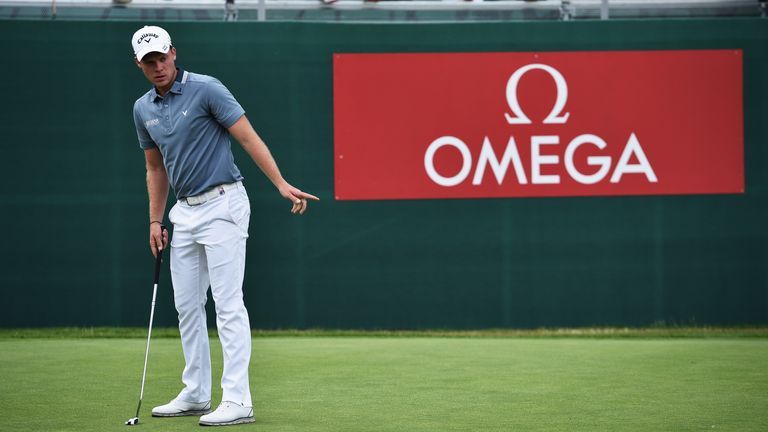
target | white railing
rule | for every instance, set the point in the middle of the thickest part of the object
(565, 9)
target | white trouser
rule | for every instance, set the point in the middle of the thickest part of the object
(208, 248)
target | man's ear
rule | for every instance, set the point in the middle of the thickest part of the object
(137, 63)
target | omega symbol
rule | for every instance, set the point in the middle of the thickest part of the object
(554, 116)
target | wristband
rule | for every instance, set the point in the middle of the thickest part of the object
(160, 222)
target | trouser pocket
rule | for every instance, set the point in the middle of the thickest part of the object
(239, 208)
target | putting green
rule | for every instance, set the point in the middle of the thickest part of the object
(404, 384)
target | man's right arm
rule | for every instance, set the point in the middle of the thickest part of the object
(157, 188)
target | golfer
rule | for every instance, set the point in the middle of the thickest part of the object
(183, 124)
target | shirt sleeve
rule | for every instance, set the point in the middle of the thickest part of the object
(222, 105)
(145, 140)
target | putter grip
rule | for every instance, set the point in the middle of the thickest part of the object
(159, 257)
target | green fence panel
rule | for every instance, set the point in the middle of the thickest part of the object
(74, 212)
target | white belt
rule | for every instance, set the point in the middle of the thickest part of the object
(210, 194)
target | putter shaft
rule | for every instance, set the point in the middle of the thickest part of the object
(158, 262)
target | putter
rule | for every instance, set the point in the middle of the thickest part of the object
(158, 261)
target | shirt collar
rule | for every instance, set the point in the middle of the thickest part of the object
(177, 87)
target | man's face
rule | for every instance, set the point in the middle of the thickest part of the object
(159, 68)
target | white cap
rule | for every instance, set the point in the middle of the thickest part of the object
(150, 39)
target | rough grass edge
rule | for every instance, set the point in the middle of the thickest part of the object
(582, 332)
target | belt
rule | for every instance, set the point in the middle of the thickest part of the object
(210, 194)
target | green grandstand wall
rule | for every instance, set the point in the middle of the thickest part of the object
(74, 212)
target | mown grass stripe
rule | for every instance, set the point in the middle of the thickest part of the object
(587, 332)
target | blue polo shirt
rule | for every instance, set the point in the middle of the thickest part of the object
(189, 126)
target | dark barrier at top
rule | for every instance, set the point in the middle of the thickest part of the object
(74, 209)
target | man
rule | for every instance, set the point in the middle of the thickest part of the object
(183, 123)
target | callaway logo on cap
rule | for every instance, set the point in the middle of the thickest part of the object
(150, 39)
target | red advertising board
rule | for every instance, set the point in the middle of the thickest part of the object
(472, 125)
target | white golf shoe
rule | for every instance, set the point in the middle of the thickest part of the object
(228, 413)
(178, 407)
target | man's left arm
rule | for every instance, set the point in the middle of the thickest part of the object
(244, 133)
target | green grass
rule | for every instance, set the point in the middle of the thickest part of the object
(660, 331)
(356, 383)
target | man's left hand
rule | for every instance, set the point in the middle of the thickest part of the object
(297, 197)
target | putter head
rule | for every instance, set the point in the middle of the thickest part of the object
(133, 421)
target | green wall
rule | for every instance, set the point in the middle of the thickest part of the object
(74, 213)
